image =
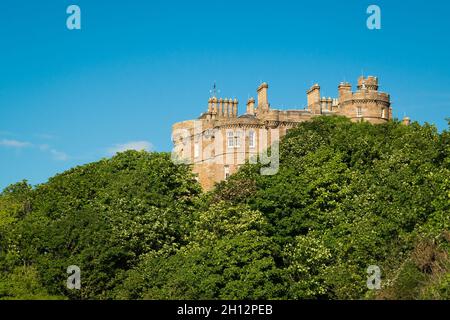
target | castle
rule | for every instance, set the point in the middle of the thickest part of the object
(220, 140)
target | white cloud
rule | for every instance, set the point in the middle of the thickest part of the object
(44, 147)
(56, 155)
(14, 143)
(132, 145)
(59, 155)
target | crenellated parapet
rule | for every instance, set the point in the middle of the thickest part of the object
(369, 83)
(366, 103)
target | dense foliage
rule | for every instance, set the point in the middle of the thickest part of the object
(346, 196)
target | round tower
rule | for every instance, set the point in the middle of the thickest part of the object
(365, 104)
(369, 83)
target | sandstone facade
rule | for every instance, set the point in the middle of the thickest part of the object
(220, 140)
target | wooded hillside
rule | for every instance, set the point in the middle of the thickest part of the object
(347, 196)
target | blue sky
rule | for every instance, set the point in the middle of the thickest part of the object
(136, 67)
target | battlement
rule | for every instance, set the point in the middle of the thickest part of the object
(365, 95)
(369, 83)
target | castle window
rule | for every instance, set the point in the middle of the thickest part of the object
(230, 139)
(196, 150)
(383, 113)
(227, 172)
(237, 138)
(359, 112)
(251, 139)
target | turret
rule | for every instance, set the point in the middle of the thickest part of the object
(366, 103)
(369, 83)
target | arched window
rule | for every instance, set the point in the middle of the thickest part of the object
(383, 113)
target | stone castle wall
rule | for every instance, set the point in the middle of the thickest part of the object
(220, 141)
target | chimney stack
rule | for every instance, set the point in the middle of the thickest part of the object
(251, 106)
(235, 106)
(220, 113)
(313, 95)
(344, 88)
(225, 107)
(263, 102)
(210, 105)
